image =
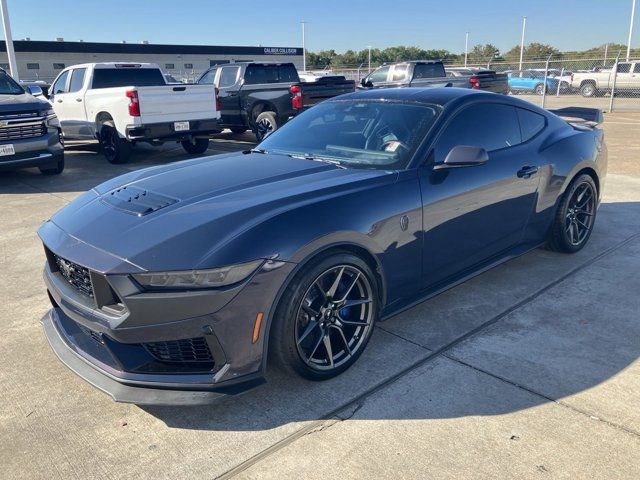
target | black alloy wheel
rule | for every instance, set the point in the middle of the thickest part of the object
(115, 149)
(265, 124)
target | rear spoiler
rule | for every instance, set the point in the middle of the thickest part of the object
(584, 115)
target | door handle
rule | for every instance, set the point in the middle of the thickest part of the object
(59, 100)
(78, 99)
(527, 171)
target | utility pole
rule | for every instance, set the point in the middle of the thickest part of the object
(466, 47)
(13, 66)
(304, 50)
(369, 58)
(524, 27)
(633, 14)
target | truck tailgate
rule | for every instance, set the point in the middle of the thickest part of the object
(315, 92)
(169, 103)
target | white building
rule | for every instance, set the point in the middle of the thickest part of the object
(43, 60)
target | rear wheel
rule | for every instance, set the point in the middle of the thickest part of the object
(56, 170)
(575, 217)
(539, 90)
(265, 123)
(196, 145)
(115, 149)
(326, 317)
(588, 90)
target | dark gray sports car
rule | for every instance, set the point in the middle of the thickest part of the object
(170, 284)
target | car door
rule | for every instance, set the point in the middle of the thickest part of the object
(74, 123)
(56, 98)
(227, 80)
(476, 213)
(623, 77)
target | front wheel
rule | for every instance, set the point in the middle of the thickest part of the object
(326, 317)
(265, 123)
(539, 90)
(575, 217)
(196, 145)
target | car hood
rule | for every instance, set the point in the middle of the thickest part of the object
(176, 216)
(21, 103)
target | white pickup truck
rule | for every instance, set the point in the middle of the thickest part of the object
(123, 103)
(593, 83)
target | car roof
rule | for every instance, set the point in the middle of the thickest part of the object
(437, 95)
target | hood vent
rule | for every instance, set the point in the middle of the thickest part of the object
(136, 201)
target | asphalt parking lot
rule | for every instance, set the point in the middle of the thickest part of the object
(529, 370)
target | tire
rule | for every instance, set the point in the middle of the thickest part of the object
(299, 334)
(57, 170)
(265, 122)
(115, 149)
(575, 217)
(539, 90)
(195, 146)
(238, 130)
(588, 89)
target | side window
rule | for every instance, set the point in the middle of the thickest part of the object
(399, 73)
(636, 68)
(61, 83)
(428, 70)
(77, 79)
(257, 73)
(288, 73)
(379, 75)
(488, 125)
(207, 78)
(228, 76)
(531, 123)
(624, 67)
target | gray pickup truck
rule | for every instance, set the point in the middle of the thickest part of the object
(426, 73)
(29, 130)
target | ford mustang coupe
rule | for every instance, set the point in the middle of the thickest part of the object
(171, 284)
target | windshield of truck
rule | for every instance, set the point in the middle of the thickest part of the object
(355, 133)
(8, 86)
(127, 77)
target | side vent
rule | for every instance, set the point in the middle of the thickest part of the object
(136, 201)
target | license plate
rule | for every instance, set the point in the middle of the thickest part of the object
(180, 126)
(6, 150)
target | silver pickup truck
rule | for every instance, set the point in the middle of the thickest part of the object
(590, 84)
(428, 73)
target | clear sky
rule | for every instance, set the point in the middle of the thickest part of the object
(337, 24)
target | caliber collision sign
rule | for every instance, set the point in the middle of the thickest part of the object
(280, 51)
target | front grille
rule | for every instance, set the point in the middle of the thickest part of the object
(187, 350)
(18, 126)
(77, 275)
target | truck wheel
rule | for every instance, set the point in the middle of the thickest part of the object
(539, 90)
(57, 170)
(238, 130)
(115, 149)
(588, 90)
(196, 145)
(265, 123)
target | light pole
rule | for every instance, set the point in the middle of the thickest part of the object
(369, 58)
(466, 47)
(633, 14)
(524, 27)
(304, 50)
(13, 66)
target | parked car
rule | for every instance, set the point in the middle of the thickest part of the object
(169, 284)
(36, 88)
(433, 74)
(29, 130)
(264, 96)
(594, 83)
(530, 81)
(123, 103)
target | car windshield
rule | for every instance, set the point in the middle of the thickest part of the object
(8, 86)
(359, 133)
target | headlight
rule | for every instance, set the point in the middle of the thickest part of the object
(188, 279)
(50, 118)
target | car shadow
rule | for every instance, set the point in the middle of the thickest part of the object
(545, 335)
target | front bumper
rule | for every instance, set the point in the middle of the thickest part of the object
(166, 131)
(43, 151)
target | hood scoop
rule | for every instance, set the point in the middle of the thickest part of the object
(136, 201)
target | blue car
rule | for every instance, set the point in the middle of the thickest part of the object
(529, 81)
(175, 284)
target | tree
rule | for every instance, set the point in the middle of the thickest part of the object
(533, 51)
(483, 53)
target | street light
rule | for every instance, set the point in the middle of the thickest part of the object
(633, 14)
(524, 27)
(304, 50)
(13, 66)
(466, 47)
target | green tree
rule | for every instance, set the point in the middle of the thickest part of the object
(483, 53)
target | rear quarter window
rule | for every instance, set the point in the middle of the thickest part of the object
(256, 74)
(428, 70)
(531, 123)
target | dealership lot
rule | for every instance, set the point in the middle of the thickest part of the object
(529, 369)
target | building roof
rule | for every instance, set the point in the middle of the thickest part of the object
(145, 48)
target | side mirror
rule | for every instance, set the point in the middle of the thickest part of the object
(463, 156)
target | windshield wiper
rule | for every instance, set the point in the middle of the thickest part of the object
(258, 150)
(308, 156)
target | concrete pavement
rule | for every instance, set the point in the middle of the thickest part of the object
(530, 369)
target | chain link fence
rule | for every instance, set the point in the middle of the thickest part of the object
(608, 83)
